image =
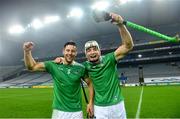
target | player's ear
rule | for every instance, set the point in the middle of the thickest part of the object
(63, 51)
(76, 52)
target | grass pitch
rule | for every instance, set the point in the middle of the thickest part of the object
(157, 102)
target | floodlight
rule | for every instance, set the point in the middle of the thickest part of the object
(123, 1)
(36, 24)
(16, 29)
(51, 19)
(76, 12)
(139, 55)
(101, 5)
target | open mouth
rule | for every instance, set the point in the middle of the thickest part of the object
(93, 56)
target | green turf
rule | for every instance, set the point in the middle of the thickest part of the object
(161, 102)
(131, 98)
(23, 103)
(157, 102)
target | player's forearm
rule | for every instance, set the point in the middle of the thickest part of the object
(91, 93)
(29, 60)
(126, 37)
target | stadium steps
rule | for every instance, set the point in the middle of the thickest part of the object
(31, 79)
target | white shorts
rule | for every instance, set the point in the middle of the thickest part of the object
(110, 112)
(57, 114)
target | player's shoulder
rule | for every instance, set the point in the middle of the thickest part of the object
(49, 62)
(78, 64)
(108, 55)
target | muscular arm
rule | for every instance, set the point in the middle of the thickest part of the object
(127, 42)
(29, 61)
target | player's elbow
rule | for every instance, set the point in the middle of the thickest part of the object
(30, 68)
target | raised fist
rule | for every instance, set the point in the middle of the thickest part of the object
(116, 19)
(28, 46)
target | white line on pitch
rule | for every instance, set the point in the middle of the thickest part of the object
(139, 104)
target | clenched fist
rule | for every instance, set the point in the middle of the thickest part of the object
(28, 46)
(116, 19)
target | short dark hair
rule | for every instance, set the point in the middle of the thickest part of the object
(70, 43)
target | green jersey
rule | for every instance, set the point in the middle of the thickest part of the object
(67, 89)
(105, 80)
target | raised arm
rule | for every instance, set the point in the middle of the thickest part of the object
(29, 61)
(127, 42)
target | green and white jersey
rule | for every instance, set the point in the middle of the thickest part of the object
(105, 80)
(67, 89)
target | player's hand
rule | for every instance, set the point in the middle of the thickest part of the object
(59, 60)
(28, 46)
(116, 19)
(90, 110)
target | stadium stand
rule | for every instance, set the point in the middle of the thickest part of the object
(8, 71)
(151, 71)
(157, 70)
(27, 79)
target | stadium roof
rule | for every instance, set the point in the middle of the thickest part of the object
(162, 15)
